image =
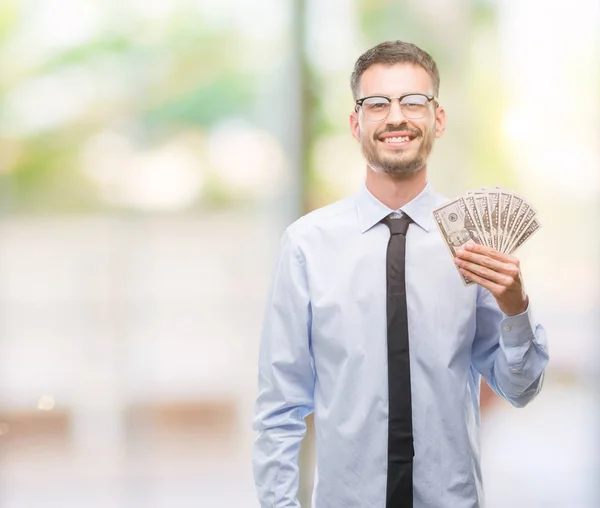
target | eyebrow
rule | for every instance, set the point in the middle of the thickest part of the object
(379, 94)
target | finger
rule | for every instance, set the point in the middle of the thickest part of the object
(486, 273)
(488, 251)
(489, 262)
(492, 287)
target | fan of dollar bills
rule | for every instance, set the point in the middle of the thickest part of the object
(492, 216)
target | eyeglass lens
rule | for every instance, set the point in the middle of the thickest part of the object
(378, 108)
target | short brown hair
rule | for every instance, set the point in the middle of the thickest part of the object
(394, 52)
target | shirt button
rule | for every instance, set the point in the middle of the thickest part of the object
(507, 328)
(514, 370)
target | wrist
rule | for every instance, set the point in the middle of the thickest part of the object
(514, 310)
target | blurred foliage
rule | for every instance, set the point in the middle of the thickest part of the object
(151, 79)
(42, 181)
(226, 95)
(8, 18)
(162, 77)
(385, 20)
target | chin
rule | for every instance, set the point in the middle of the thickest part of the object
(399, 164)
(402, 171)
(403, 168)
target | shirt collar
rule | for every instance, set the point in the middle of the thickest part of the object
(371, 210)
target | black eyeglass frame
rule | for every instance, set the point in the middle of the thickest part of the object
(359, 102)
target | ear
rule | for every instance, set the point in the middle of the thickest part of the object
(354, 126)
(440, 121)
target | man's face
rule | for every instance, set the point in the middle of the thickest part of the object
(379, 140)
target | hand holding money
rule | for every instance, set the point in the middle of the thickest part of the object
(495, 271)
(493, 222)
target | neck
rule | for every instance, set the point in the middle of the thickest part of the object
(395, 191)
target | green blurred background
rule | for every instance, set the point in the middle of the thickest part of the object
(151, 153)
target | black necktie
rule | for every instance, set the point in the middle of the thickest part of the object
(400, 439)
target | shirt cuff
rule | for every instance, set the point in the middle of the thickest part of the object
(519, 329)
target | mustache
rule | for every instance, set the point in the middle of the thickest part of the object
(395, 128)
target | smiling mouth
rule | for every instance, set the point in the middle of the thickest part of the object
(399, 139)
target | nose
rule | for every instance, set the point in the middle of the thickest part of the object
(395, 115)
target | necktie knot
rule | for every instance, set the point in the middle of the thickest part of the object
(398, 224)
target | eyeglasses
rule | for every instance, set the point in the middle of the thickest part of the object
(377, 107)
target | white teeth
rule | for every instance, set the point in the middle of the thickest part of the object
(397, 140)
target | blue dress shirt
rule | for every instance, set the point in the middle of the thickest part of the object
(324, 350)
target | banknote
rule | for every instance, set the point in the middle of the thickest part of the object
(496, 217)
(457, 228)
(505, 204)
(521, 226)
(482, 209)
(531, 227)
(493, 199)
(473, 220)
(513, 213)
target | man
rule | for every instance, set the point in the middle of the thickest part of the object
(369, 326)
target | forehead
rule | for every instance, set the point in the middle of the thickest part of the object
(395, 80)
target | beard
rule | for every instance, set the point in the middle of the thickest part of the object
(401, 161)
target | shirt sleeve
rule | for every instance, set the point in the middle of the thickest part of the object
(285, 382)
(510, 352)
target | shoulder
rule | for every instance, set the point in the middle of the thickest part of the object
(325, 223)
(332, 217)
